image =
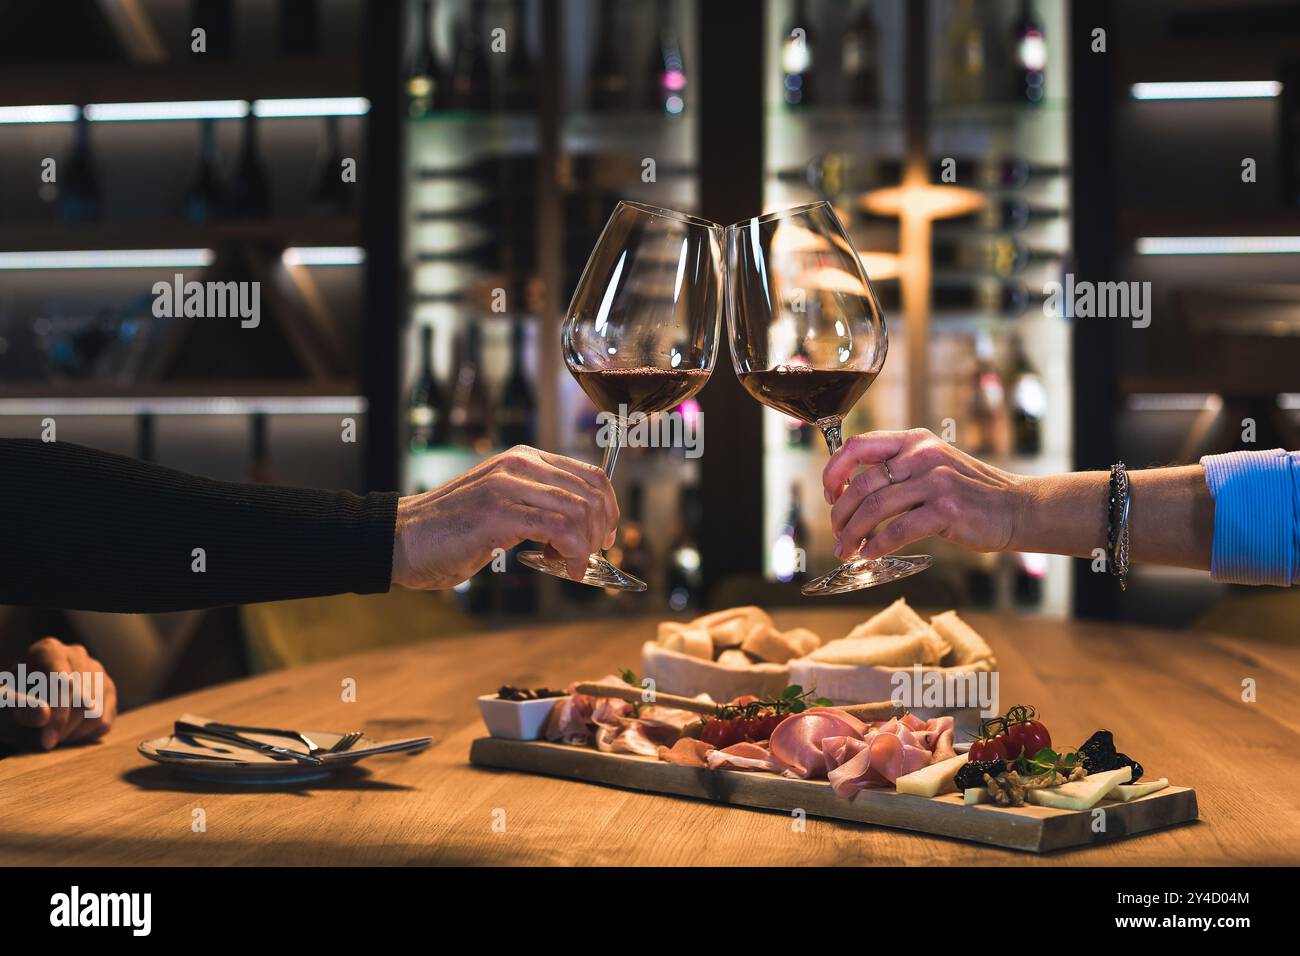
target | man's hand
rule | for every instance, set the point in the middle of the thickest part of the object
(29, 719)
(927, 487)
(444, 536)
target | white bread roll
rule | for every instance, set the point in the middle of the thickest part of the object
(967, 645)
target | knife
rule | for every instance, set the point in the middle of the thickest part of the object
(186, 729)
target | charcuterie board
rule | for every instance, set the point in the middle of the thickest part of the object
(1030, 828)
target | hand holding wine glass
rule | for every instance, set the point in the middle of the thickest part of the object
(641, 334)
(808, 338)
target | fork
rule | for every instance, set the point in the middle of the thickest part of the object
(345, 743)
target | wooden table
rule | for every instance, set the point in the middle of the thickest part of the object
(1174, 700)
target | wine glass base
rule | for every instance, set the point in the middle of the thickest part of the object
(600, 573)
(863, 573)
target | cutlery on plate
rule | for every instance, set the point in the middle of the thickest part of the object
(187, 729)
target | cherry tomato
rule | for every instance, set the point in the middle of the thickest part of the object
(1030, 735)
(991, 748)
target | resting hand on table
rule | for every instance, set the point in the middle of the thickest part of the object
(444, 536)
(927, 486)
(28, 719)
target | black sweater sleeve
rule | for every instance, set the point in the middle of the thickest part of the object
(84, 529)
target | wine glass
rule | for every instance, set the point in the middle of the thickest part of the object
(641, 334)
(808, 338)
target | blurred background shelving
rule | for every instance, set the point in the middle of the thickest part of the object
(492, 139)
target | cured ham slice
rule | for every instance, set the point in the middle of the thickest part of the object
(609, 724)
(742, 756)
(797, 741)
(687, 752)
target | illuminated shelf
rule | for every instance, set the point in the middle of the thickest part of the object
(48, 236)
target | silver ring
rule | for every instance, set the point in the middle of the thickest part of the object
(888, 474)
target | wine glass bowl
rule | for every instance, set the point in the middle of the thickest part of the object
(808, 338)
(641, 333)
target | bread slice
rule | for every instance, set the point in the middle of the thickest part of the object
(921, 646)
(804, 640)
(769, 644)
(967, 645)
(730, 627)
(686, 639)
(898, 618)
(735, 659)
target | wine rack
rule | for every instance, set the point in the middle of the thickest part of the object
(505, 196)
(978, 361)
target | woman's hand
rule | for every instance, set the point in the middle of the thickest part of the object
(927, 486)
(71, 720)
(444, 536)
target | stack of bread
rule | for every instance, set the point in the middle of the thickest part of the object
(740, 651)
(725, 654)
(861, 665)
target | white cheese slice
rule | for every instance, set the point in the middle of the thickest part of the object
(1080, 794)
(933, 780)
(973, 795)
(1131, 791)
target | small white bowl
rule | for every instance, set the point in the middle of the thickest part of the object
(516, 719)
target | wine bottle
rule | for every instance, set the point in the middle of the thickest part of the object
(330, 195)
(1030, 57)
(789, 553)
(516, 417)
(424, 85)
(607, 79)
(836, 174)
(250, 195)
(426, 414)
(989, 419)
(798, 59)
(206, 198)
(1000, 255)
(470, 419)
(685, 578)
(79, 200)
(666, 68)
(519, 84)
(471, 80)
(1028, 402)
(860, 59)
(964, 55)
(1010, 213)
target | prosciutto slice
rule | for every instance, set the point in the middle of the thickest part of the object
(742, 756)
(852, 755)
(797, 741)
(608, 724)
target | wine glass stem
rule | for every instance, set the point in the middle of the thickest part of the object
(611, 453)
(831, 432)
(611, 450)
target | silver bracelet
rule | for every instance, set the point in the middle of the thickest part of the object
(1117, 524)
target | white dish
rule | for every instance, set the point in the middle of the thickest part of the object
(516, 719)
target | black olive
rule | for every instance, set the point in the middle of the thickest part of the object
(1124, 760)
(972, 772)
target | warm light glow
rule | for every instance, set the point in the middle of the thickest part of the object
(927, 200)
(1207, 90)
(880, 265)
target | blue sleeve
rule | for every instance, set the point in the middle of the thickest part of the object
(1256, 516)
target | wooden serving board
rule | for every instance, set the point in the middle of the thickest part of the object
(1036, 829)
